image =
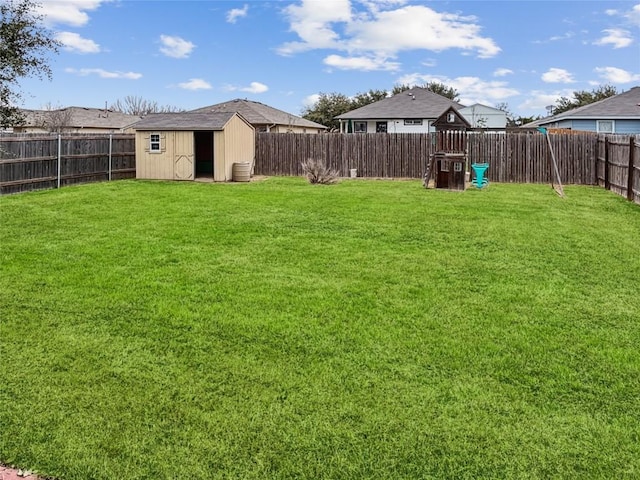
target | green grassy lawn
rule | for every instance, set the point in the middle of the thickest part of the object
(366, 330)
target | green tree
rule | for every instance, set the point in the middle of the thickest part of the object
(400, 88)
(442, 89)
(24, 46)
(327, 107)
(372, 96)
(580, 98)
(435, 87)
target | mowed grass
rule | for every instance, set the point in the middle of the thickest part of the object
(366, 330)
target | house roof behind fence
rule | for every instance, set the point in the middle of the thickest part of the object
(259, 114)
(625, 105)
(78, 118)
(414, 103)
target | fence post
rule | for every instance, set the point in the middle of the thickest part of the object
(607, 186)
(110, 150)
(59, 158)
(631, 168)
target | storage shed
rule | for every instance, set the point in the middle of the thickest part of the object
(186, 146)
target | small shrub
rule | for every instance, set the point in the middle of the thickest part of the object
(317, 172)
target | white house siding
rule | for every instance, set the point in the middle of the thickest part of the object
(396, 126)
(482, 116)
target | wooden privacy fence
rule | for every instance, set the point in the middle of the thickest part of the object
(512, 157)
(618, 167)
(34, 162)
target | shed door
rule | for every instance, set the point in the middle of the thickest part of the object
(183, 164)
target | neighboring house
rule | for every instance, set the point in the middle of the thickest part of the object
(76, 120)
(411, 111)
(265, 118)
(484, 117)
(414, 111)
(184, 146)
(617, 114)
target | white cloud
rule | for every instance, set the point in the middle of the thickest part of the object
(419, 27)
(470, 89)
(382, 31)
(557, 75)
(175, 47)
(254, 87)
(360, 63)
(75, 43)
(195, 84)
(311, 21)
(616, 37)
(616, 75)
(502, 72)
(83, 72)
(235, 13)
(634, 15)
(538, 101)
(68, 12)
(311, 100)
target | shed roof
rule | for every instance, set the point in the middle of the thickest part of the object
(258, 113)
(414, 103)
(185, 121)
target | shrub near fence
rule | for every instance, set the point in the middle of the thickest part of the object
(513, 157)
(34, 162)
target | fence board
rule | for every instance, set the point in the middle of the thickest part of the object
(30, 162)
(512, 157)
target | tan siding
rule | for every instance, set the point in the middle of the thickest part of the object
(157, 166)
(291, 129)
(183, 156)
(240, 144)
(219, 170)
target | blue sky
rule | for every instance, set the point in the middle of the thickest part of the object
(190, 54)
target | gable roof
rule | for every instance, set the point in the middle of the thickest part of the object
(625, 105)
(459, 119)
(186, 121)
(258, 113)
(414, 103)
(79, 117)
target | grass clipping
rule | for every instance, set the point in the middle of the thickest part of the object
(317, 172)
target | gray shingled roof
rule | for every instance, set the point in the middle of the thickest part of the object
(80, 117)
(184, 121)
(258, 113)
(625, 105)
(414, 103)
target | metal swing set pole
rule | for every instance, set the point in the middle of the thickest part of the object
(559, 190)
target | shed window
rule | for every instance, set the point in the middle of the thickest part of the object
(154, 142)
(360, 127)
(413, 121)
(381, 127)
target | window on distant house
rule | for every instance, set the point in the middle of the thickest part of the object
(154, 142)
(605, 126)
(360, 127)
(381, 127)
(413, 121)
